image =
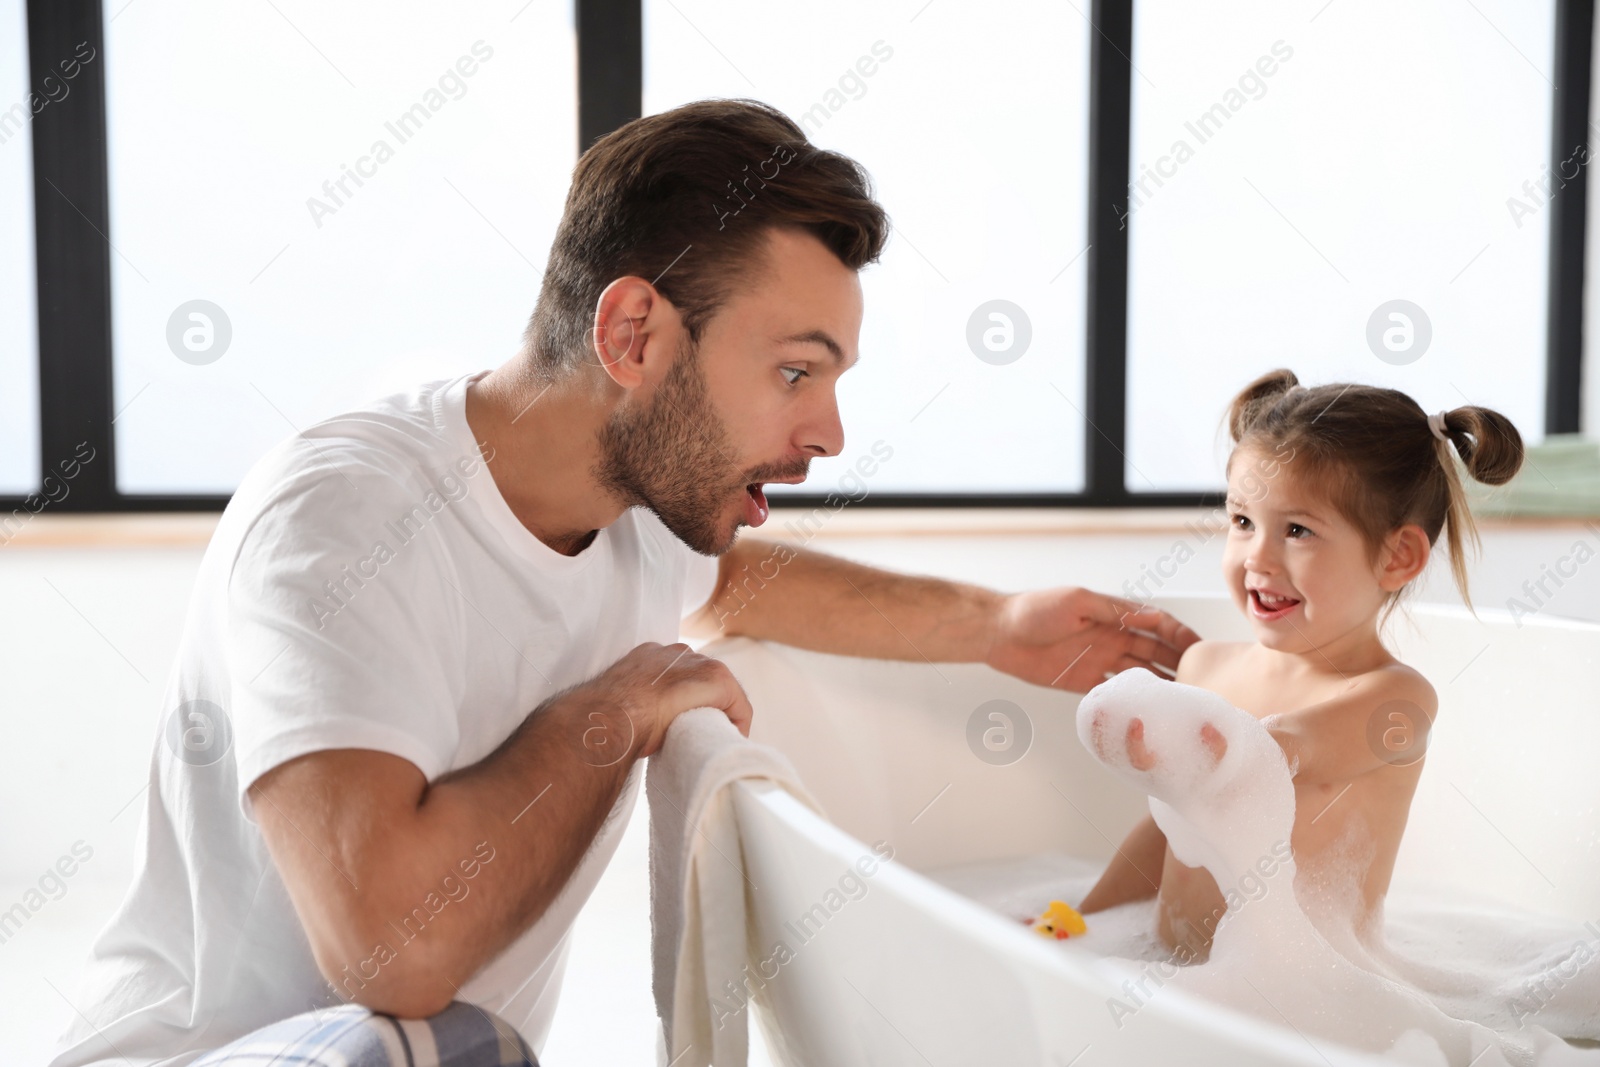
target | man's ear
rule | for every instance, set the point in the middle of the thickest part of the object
(629, 320)
(1406, 553)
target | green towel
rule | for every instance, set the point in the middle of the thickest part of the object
(1559, 477)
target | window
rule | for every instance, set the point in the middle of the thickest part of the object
(19, 353)
(1355, 196)
(1108, 218)
(972, 349)
(318, 206)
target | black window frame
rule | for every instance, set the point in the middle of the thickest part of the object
(71, 216)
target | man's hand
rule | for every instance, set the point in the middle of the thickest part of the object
(628, 707)
(1071, 638)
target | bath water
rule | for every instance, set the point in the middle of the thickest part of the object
(1445, 980)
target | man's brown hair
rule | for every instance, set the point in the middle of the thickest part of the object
(685, 199)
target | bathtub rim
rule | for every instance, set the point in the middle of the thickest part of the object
(1178, 1009)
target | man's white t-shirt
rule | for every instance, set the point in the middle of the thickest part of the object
(367, 587)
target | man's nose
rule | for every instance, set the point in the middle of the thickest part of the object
(823, 433)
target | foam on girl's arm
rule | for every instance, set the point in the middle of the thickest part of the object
(1382, 720)
(1218, 783)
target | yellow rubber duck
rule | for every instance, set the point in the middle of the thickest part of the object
(1061, 921)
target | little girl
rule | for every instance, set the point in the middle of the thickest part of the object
(1361, 482)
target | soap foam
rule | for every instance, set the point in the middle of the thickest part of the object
(1426, 986)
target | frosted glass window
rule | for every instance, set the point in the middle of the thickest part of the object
(19, 346)
(1297, 171)
(972, 120)
(320, 204)
(1589, 412)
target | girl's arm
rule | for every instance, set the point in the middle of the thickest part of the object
(1135, 871)
(1382, 720)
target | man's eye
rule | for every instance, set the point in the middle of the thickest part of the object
(796, 371)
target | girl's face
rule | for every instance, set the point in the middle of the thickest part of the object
(1296, 568)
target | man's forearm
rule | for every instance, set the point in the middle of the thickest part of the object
(777, 592)
(476, 857)
(546, 792)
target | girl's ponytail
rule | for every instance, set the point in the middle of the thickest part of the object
(1487, 442)
(1491, 451)
(1254, 400)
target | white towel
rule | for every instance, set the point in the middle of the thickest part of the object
(697, 884)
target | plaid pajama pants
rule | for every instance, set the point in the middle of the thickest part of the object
(352, 1036)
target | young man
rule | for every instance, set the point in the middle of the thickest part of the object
(432, 640)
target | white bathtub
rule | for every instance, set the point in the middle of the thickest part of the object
(911, 973)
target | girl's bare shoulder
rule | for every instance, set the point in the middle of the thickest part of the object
(1203, 659)
(1396, 681)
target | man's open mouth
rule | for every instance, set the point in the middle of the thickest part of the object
(756, 508)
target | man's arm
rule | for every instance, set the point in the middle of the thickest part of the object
(1069, 638)
(361, 838)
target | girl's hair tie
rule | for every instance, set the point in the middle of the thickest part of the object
(1436, 424)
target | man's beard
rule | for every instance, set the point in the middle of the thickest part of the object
(675, 458)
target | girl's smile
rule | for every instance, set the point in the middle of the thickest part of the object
(1269, 607)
